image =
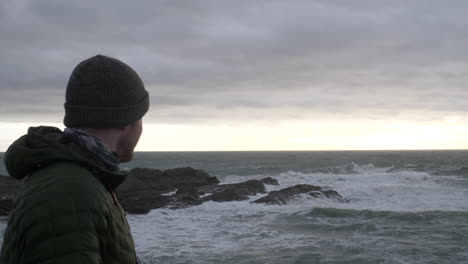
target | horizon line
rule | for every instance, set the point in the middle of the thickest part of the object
(293, 150)
(311, 150)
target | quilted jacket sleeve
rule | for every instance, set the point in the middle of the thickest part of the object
(60, 217)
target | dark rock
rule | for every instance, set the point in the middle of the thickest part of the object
(269, 181)
(281, 197)
(138, 210)
(165, 181)
(142, 179)
(179, 201)
(143, 190)
(189, 177)
(142, 201)
(227, 195)
(184, 190)
(330, 194)
(146, 189)
(236, 191)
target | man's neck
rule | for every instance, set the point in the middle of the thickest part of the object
(108, 137)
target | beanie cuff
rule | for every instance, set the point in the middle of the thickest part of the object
(77, 116)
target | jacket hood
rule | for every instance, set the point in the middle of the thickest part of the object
(44, 145)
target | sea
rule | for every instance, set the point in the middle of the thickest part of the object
(404, 207)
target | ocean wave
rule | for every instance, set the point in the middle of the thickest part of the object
(441, 170)
(377, 189)
(354, 168)
(351, 168)
(463, 171)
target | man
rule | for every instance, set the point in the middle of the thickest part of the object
(67, 211)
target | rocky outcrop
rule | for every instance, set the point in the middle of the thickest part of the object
(283, 196)
(184, 187)
(147, 189)
(143, 178)
(269, 181)
(235, 192)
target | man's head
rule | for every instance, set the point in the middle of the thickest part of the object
(107, 97)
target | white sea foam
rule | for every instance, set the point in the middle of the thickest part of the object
(376, 189)
(211, 228)
(217, 228)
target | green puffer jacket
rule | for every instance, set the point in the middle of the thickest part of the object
(66, 211)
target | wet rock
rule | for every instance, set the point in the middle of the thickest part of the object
(142, 201)
(330, 194)
(236, 191)
(181, 177)
(282, 197)
(142, 179)
(163, 181)
(189, 190)
(180, 201)
(269, 181)
(146, 189)
(227, 195)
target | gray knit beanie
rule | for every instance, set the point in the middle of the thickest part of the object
(103, 92)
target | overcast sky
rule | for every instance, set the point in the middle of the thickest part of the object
(261, 64)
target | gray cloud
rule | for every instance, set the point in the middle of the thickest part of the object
(243, 60)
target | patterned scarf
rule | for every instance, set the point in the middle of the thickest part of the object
(93, 145)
